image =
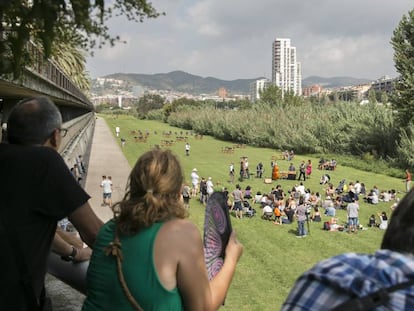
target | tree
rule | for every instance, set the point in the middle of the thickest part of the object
(271, 95)
(38, 20)
(402, 41)
(71, 59)
(372, 96)
(384, 98)
(149, 102)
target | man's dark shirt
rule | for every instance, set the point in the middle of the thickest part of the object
(36, 190)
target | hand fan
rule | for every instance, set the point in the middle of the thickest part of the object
(217, 230)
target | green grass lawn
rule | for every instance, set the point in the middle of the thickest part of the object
(273, 258)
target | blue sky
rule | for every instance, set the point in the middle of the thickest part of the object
(232, 39)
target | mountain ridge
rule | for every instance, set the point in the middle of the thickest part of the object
(181, 81)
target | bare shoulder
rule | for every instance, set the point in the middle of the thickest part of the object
(180, 227)
(178, 239)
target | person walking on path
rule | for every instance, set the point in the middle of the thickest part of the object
(106, 185)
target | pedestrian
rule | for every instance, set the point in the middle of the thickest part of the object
(308, 169)
(301, 216)
(28, 226)
(106, 185)
(352, 211)
(187, 149)
(123, 141)
(238, 201)
(210, 187)
(231, 172)
(186, 192)
(161, 264)
(302, 171)
(117, 131)
(75, 172)
(194, 182)
(407, 180)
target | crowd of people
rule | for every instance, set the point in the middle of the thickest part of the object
(151, 218)
(286, 207)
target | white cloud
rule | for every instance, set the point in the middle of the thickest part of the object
(232, 39)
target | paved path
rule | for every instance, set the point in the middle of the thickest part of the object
(105, 158)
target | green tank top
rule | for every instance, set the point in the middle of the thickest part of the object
(104, 289)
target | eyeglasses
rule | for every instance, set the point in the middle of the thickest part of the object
(63, 132)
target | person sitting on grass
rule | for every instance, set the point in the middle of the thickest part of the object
(371, 221)
(354, 281)
(316, 215)
(248, 192)
(267, 212)
(383, 221)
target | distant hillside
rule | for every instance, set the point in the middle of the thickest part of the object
(333, 82)
(184, 82)
(180, 81)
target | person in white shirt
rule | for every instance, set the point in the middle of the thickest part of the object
(357, 187)
(210, 187)
(301, 189)
(106, 184)
(267, 211)
(194, 181)
(187, 149)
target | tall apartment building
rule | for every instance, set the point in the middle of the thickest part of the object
(257, 87)
(286, 70)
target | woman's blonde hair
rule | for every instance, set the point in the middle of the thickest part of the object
(153, 192)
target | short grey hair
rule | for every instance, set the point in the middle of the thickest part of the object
(32, 121)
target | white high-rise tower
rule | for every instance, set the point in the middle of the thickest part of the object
(286, 71)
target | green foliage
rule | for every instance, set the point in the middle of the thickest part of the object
(149, 102)
(177, 103)
(156, 115)
(271, 95)
(372, 96)
(405, 149)
(40, 21)
(403, 44)
(346, 128)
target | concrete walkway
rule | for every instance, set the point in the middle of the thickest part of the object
(105, 158)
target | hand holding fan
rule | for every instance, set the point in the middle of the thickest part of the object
(217, 230)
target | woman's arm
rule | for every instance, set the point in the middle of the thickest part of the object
(181, 243)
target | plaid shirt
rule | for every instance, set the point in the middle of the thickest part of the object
(336, 280)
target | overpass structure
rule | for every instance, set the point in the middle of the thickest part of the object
(45, 78)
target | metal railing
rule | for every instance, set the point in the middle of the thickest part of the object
(51, 72)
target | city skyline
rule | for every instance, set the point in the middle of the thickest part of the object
(230, 40)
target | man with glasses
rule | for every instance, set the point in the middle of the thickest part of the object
(36, 191)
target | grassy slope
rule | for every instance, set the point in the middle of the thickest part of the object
(273, 258)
